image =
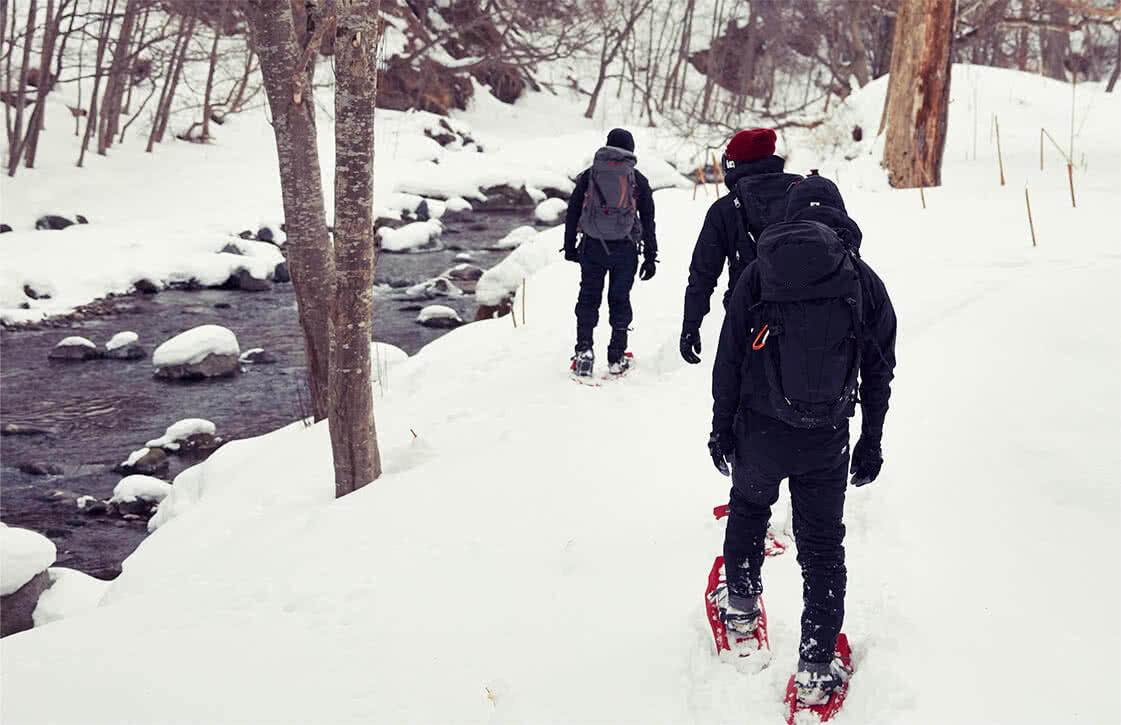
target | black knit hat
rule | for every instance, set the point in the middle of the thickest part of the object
(814, 190)
(621, 138)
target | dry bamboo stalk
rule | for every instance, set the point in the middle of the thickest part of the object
(999, 157)
(523, 300)
(1070, 178)
(922, 195)
(1031, 224)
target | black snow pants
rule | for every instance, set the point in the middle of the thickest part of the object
(816, 463)
(598, 259)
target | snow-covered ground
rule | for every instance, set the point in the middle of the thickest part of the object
(536, 551)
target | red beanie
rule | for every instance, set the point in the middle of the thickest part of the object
(751, 145)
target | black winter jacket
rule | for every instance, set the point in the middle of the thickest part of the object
(644, 200)
(722, 236)
(739, 381)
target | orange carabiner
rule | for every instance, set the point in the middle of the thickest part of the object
(760, 339)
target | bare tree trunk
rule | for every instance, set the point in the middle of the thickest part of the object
(118, 77)
(38, 117)
(165, 115)
(15, 134)
(129, 78)
(1116, 68)
(179, 39)
(287, 80)
(210, 78)
(918, 93)
(1056, 44)
(610, 49)
(102, 42)
(354, 440)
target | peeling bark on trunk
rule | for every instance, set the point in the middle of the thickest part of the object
(918, 93)
(293, 120)
(354, 440)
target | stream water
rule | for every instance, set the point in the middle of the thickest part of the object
(99, 411)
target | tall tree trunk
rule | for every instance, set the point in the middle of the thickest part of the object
(164, 117)
(287, 80)
(116, 83)
(1056, 44)
(210, 77)
(918, 93)
(38, 119)
(102, 42)
(354, 439)
(1116, 68)
(15, 134)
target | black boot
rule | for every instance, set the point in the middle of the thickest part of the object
(618, 345)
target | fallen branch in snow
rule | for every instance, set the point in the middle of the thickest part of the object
(1031, 225)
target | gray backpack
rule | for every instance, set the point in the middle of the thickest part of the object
(610, 212)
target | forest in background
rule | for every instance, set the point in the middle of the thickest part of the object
(128, 65)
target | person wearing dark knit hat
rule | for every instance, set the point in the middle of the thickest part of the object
(610, 218)
(756, 195)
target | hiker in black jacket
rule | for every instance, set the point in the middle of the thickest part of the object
(808, 284)
(757, 190)
(612, 210)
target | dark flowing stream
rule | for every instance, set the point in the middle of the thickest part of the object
(99, 411)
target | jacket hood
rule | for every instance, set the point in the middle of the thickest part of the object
(802, 260)
(835, 219)
(614, 153)
(767, 165)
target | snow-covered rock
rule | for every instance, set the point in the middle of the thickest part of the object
(550, 211)
(515, 238)
(146, 460)
(415, 237)
(121, 339)
(458, 204)
(204, 351)
(23, 554)
(124, 346)
(435, 287)
(74, 348)
(439, 316)
(503, 279)
(181, 431)
(71, 592)
(140, 488)
(257, 356)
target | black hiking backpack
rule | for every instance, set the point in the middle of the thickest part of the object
(760, 201)
(610, 209)
(808, 326)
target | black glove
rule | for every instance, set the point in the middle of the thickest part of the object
(866, 461)
(721, 446)
(648, 269)
(690, 343)
(571, 254)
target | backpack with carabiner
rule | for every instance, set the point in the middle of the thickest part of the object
(807, 328)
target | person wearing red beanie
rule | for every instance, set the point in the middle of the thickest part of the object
(756, 199)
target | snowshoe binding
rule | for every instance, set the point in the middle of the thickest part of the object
(620, 367)
(739, 632)
(820, 688)
(583, 364)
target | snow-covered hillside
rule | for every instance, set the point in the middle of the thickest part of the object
(537, 550)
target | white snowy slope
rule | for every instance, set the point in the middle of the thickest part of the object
(537, 551)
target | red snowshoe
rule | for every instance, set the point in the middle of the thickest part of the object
(716, 603)
(829, 708)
